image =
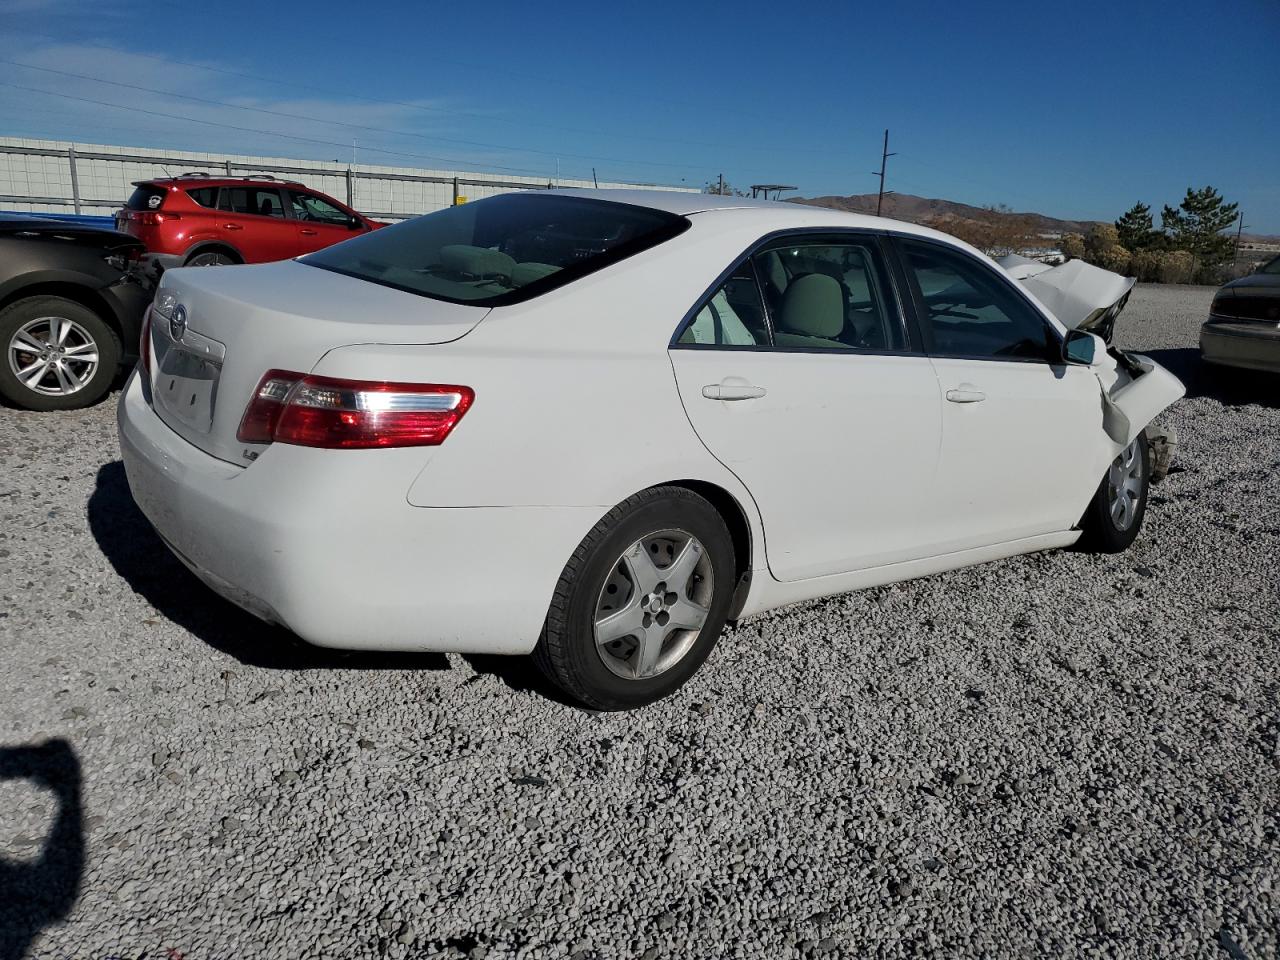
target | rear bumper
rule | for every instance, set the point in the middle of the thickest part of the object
(332, 550)
(1248, 345)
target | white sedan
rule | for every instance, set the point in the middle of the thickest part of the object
(595, 426)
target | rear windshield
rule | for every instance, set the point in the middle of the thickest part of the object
(501, 250)
(147, 197)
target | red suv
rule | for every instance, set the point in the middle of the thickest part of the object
(200, 220)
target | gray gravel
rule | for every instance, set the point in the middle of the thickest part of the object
(1058, 755)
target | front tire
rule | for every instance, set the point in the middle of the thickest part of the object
(1115, 514)
(59, 354)
(641, 602)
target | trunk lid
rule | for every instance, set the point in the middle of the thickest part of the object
(236, 323)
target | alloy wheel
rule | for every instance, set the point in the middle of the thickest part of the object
(653, 604)
(53, 356)
(1124, 486)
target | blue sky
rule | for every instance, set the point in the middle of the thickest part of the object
(1072, 109)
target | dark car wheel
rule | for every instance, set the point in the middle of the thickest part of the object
(641, 602)
(1114, 515)
(211, 258)
(59, 354)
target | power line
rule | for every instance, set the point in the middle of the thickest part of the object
(343, 123)
(272, 133)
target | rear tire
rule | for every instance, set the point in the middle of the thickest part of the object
(615, 635)
(1115, 514)
(210, 258)
(59, 354)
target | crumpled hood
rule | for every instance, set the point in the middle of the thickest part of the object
(1079, 294)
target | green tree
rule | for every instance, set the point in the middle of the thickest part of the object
(1196, 226)
(1100, 238)
(1072, 246)
(728, 190)
(1135, 228)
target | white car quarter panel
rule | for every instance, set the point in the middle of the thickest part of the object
(328, 546)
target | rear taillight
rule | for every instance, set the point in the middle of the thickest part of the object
(351, 414)
(150, 218)
(144, 343)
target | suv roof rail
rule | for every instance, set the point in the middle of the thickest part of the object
(192, 173)
(258, 176)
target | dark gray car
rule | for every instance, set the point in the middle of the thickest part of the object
(1243, 329)
(71, 306)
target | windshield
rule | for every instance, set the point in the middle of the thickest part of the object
(501, 250)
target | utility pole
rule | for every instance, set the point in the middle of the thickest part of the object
(1239, 230)
(884, 158)
(721, 190)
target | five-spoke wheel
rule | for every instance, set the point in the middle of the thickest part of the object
(641, 602)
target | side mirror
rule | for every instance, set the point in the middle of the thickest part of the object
(355, 223)
(1083, 348)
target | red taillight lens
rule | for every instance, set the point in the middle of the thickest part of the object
(351, 414)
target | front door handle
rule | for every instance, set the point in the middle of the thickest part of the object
(966, 393)
(732, 391)
(307, 233)
(233, 226)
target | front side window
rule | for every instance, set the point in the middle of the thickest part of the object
(829, 295)
(258, 201)
(733, 317)
(967, 311)
(307, 206)
(503, 249)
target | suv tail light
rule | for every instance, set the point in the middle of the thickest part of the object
(151, 218)
(351, 414)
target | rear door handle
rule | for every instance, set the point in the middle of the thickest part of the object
(966, 393)
(233, 226)
(732, 391)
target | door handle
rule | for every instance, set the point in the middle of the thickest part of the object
(966, 393)
(307, 233)
(732, 391)
(232, 226)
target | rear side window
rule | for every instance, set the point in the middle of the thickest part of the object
(147, 197)
(259, 201)
(733, 317)
(501, 250)
(829, 295)
(205, 196)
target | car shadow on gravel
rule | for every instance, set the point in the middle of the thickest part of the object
(127, 539)
(1225, 384)
(38, 891)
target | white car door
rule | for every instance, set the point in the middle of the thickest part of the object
(1021, 430)
(814, 398)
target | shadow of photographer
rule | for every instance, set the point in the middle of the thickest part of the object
(37, 893)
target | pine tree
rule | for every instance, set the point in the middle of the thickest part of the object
(1197, 225)
(1135, 228)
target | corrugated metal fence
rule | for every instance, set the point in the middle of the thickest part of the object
(56, 177)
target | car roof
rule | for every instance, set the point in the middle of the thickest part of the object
(789, 213)
(212, 181)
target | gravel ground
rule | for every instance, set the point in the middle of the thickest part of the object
(1057, 755)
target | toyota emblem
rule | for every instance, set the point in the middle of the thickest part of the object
(178, 323)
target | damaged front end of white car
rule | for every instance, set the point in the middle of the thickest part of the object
(1135, 389)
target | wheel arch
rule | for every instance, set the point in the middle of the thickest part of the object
(84, 295)
(736, 520)
(212, 246)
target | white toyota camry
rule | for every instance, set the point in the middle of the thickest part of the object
(595, 426)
